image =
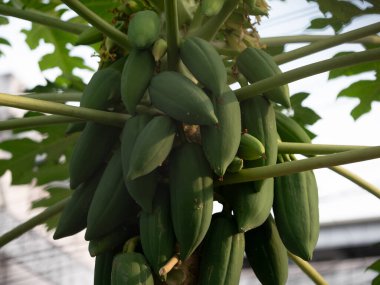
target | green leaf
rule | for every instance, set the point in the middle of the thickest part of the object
(46, 160)
(4, 20)
(354, 70)
(376, 280)
(375, 266)
(367, 91)
(56, 194)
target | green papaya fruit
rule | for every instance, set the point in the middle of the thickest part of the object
(144, 29)
(289, 130)
(103, 268)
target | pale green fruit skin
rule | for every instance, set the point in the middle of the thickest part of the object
(144, 29)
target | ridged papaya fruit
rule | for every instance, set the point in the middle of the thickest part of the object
(91, 151)
(255, 64)
(112, 206)
(222, 252)
(191, 196)
(289, 130)
(137, 72)
(141, 189)
(296, 212)
(144, 29)
(74, 216)
(181, 99)
(221, 142)
(156, 231)
(252, 201)
(204, 62)
(236, 165)
(103, 268)
(103, 89)
(267, 254)
(112, 240)
(152, 146)
(131, 268)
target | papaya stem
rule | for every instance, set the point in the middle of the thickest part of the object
(305, 71)
(211, 27)
(309, 270)
(43, 19)
(131, 244)
(172, 31)
(55, 97)
(283, 40)
(36, 121)
(114, 34)
(327, 43)
(357, 180)
(104, 117)
(312, 149)
(258, 173)
(31, 223)
(169, 265)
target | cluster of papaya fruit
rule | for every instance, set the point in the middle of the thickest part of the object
(155, 177)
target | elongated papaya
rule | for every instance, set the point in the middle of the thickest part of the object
(103, 89)
(296, 212)
(181, 99)
(74, 217)
(255, 64)
(112, 206)
(191, 196)
(289, 130)
(252, 202)
(156, 231)
(267, 254)
(144, 29)
(137, 72)
(103, 268)
(141, 189)
(90, 151)
(204, 62)
(131, 268)
(152, 146)
(222, 252)
(221, 142)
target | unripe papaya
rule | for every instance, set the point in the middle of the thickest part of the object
(131, 268)
(204, 62)
(141, 189)
(267, 254)
(289, 130)
(250, 148)
(191, 196)
(112, 206)
(296, 212)
(181, 99)
(103, 268)
(211, 7)
(222, 252)
(137, 72)
(255, 64)
(144, 29)
(221, 142)
(156, 231)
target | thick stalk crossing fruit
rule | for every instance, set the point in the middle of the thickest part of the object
(191, 196)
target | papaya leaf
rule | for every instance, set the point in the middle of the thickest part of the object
(45, 161)
(56, 194)
(367, 91)
(375, 266)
